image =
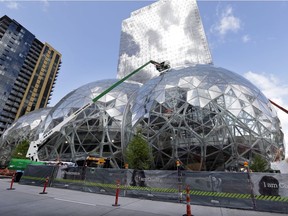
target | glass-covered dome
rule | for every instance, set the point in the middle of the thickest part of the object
(24, 128)
(209, 118)
(96, 131)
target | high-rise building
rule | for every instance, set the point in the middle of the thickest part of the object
(163, 31)
(28, 71)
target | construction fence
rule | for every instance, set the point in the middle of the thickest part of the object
(255, 191)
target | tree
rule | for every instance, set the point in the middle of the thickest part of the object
(21, 150)
(138, 153)
(259, 164)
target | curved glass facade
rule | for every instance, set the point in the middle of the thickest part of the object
(96, 131)
(24, 128)
(209, 118)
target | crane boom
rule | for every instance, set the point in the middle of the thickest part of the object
(32, 152)
(280, 107)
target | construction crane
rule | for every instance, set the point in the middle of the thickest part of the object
(280, 107)
(34, 146)
(279, 151)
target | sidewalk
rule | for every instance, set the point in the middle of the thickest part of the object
(69, 202)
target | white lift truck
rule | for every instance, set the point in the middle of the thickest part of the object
(34, 146)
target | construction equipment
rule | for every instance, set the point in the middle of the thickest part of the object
(34, 146)
(93, 161)
(19, 165)
(280, 107)
(280, 151)
(161, 67)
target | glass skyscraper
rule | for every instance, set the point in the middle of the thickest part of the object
(163, 31)
(28, 70)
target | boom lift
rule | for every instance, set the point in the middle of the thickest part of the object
(34, 146)
(283, 109)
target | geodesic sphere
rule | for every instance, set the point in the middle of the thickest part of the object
(96, 130)
(207, 117)
(24, 128)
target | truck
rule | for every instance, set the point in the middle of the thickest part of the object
(19, 165)
(36, 145)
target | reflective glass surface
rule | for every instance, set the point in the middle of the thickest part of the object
(15, 44)
(24, 128)
(163, 31)
(207, 117)
(96, 131)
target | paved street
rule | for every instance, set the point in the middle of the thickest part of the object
(26, 200)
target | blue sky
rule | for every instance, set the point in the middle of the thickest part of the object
(247, 37)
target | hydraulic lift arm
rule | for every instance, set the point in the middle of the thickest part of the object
(283, 109)
(34, 146)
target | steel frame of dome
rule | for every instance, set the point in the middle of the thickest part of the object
(24, 128)
(208, 118)
(96, 131)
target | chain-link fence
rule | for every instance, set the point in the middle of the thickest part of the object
(258, 191)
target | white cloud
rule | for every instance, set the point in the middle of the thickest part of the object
(227, 22)
(12, 5)
(268, 84)
(246, 38)
(274, 90)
